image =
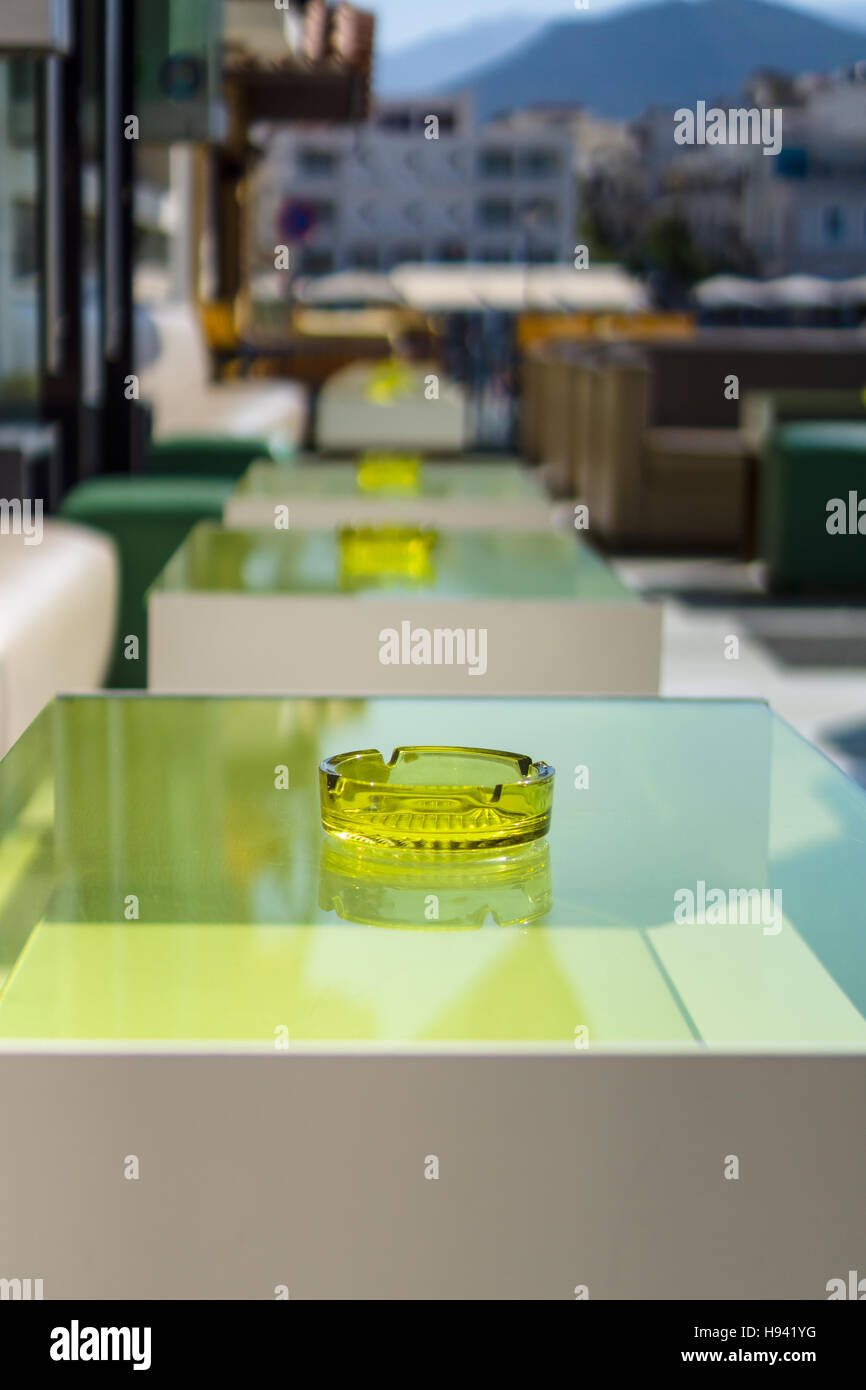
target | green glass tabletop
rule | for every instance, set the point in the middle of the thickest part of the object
(500, 479)
(165, 883)
(483, 564)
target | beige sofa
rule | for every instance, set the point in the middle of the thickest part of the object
(58, 601)
(650, 438)
(658, 487)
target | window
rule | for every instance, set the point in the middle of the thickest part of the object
(452, 251)
(323, 214)
(540, 212)
(407, 251)
(315, 262)
(540, 164)
(495, 212)
(495, 164)
(150, 246)
(834, 224)
(25, 243)
(396, 121)
(21, 295)
(317, 164)
(494, 254)
(364, 257)
(541, 255)
(791, 163)
(22, 103)
(447, 121)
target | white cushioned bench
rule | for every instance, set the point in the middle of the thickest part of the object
(185, 402)
(58, 603)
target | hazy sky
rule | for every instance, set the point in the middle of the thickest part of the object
(401, 21)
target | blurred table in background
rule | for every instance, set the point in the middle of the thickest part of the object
(397, 609)
(473, 494)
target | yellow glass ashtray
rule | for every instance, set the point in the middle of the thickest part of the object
(388, 381)
(381, 552)
(390, 473)
(439, 799)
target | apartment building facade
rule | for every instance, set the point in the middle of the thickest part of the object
(802, 210)
(419, 182)
(807, 210)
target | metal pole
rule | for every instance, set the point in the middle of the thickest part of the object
(118, 191)
(62, 252)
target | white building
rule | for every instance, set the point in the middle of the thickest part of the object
(801, 211)
(418, 182)
(594, 141)
(806, 209)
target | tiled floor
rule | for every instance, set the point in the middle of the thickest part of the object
(807, 660)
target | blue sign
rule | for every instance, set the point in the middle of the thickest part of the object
(296, 220)
(182, 76)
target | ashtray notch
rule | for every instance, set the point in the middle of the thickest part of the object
(441, 799)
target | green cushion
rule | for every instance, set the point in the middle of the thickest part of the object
(825, 437)
(148, 519)
(141, 495)
(803, 469)
(816, 404)
(197, 455)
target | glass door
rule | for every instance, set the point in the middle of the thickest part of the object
(21, 279)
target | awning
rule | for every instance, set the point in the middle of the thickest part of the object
(730, 292)
(517, 288)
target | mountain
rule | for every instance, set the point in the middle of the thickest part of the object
(429, 65)
(673, 53)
